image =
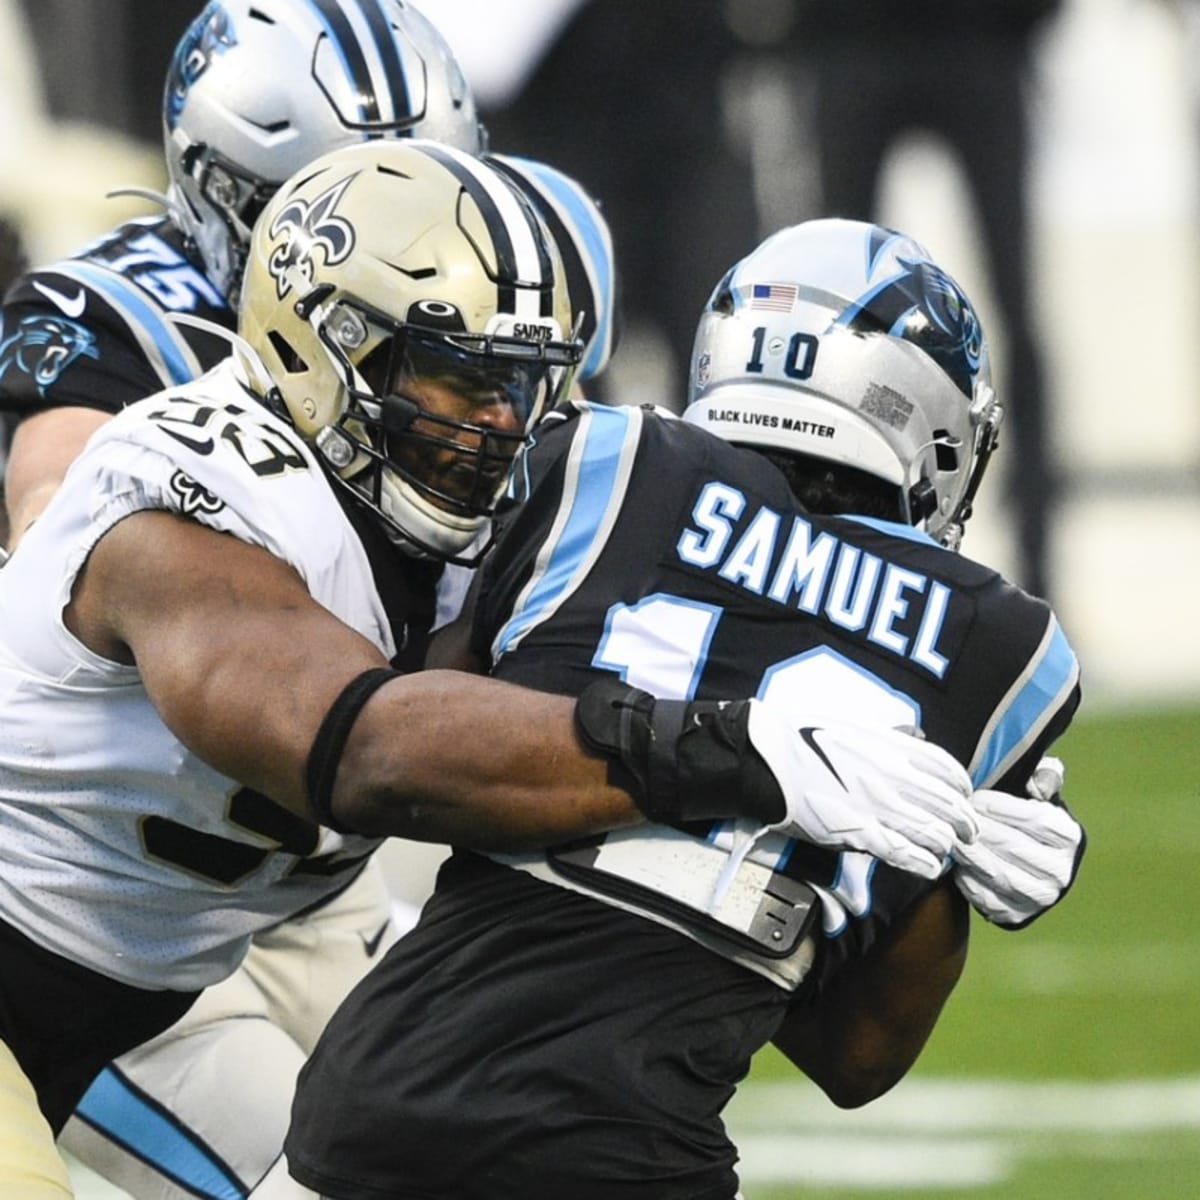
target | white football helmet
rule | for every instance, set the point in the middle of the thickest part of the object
(257, 88)
(845, 342)
(583, 237)
(395, 291)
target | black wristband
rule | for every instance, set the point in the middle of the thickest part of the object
(320, 772)
(680, 760)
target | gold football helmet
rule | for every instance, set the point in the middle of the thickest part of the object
(411, 311)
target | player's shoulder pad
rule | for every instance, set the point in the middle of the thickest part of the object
(211, 450)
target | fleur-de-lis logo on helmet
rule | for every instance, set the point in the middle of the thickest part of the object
(303, 229)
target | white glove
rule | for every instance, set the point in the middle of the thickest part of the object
(1027, 853)
(856, 787)
(1047, 780)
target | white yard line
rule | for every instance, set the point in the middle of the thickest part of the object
(936, 1134)
(924, 1163)
(972, 1105)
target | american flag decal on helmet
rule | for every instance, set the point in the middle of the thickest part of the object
(771, 297)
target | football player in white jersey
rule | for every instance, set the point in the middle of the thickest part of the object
(201, 1109)
(87, 335)
(201, 734)
(81, 338)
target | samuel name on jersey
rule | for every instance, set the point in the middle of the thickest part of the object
(720, 584)
(896, 608)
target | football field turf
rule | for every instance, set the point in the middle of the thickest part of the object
(1067, 1062)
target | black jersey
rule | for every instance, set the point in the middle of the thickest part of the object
(685, 565)
(527, 1039)
(95, 330)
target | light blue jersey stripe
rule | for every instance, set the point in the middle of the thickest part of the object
(597, 470)
(129, 298)
(909, 532)
(1048, 680)
(127, 1118)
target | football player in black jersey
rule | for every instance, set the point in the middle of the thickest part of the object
(572, 1022)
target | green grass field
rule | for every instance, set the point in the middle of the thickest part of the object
(1067, 1063)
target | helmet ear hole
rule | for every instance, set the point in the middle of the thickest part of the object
(944, 449)
(293, 364)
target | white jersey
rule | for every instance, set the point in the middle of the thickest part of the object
(119, 849)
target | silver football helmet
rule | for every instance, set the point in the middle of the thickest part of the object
(845, 342)
(257, 88)
(409, 308)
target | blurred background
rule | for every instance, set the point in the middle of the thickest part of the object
(1048, 153)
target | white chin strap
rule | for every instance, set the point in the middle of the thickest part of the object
(432, 529)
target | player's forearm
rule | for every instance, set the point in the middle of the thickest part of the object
(251, 674)
(870, 1025)
(449, 757)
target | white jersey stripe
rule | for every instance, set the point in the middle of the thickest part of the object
(519, 240)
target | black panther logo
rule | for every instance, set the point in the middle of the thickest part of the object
(304, 228)
(924, 306)
(44, 347)
(210, 34)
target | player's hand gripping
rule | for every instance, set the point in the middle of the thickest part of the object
(1027, 853)
(901, 799)
(884, 791)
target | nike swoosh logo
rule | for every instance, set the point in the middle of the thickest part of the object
(71, 306)
(809, 734)
(204, 447)
(371, 944)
